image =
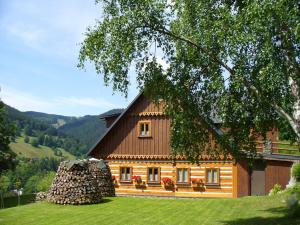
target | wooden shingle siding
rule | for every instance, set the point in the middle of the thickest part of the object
(124, 135)
(168, 169)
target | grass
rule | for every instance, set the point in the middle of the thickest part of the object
(134, 211)
(28, 151)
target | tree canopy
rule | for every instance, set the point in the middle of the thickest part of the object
(7, 134)
(234, 60)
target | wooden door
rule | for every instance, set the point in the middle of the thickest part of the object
(258, 178)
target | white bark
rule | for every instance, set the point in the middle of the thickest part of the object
(296, 108)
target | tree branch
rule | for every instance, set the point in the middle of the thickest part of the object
(253, 89)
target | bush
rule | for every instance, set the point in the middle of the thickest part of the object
(294, 190)
(275, 190)
(26, 139)
(34, 142)
(292, 204)
(296, 172)
(31, 184)
(45, 183)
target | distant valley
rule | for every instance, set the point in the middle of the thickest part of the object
(42, 135)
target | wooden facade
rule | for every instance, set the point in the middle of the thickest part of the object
(138, 141)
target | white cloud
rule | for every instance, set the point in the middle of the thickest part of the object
(53, 28)
(30, 36)
(26, 101)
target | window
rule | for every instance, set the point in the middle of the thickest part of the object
(153, 175)
(182, 175)
(125, 174)
(212, 176)
(144, 129)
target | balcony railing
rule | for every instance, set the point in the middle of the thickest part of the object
(281, 147)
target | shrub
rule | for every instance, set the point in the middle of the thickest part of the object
(26, 139)
(45, 183)
(292, 204)
(275, 190)
(294, 190)
(34, 142)
(296, 172)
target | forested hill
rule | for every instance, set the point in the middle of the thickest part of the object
(73, 134)
(87, 129)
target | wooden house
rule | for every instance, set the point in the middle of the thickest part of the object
(136, 147)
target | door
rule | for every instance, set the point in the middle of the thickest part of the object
(258, 178)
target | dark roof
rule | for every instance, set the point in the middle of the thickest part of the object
(281, 157)
(111, 113)
(215, 129)
(120, 116)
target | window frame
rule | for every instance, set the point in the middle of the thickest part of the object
(130, 172)
(158, 177)
(139, 128)
(218, 176)
(188, 175)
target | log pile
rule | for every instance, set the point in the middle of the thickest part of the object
(81, 182)
(102, 175)
(40, 196)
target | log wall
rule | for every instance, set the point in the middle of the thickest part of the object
(168, 169)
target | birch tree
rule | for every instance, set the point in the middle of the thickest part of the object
(235, 60)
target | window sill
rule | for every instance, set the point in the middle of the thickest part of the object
(144, 136)
(183, 184)
(154, 183)
(125, 181)
(209, 185)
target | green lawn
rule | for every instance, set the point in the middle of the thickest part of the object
(132, 211)
(28, 151)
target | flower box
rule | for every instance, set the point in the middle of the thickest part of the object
(167, 183)
(197, 183)
(137, 180)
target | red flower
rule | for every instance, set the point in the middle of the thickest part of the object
(167, 181)
(196, 180)
(137, 179)
(113, 178)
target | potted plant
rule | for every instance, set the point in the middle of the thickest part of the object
(196, 182)
(137, 180)
(167, 182)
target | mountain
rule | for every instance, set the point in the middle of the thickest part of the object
(87, 129)
(51, 119)
(75, 135)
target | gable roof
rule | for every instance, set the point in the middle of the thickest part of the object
(216, 130)
(114, 123)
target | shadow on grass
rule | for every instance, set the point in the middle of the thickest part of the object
(13, 201)
(286, 219)
(105, 200)
(264, 221)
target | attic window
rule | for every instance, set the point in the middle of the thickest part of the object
(144, 129)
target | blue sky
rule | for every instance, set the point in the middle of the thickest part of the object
(39, 45)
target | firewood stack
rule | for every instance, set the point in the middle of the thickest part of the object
(76, 183)
(101, 172)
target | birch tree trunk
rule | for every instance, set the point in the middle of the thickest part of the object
(296, 114)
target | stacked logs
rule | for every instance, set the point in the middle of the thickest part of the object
(74, 184)
(101, 172)
(40, 196)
